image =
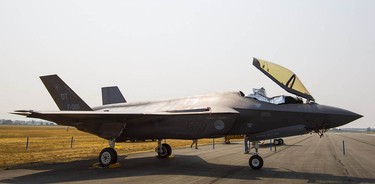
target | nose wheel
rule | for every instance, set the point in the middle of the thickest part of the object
(256, 162)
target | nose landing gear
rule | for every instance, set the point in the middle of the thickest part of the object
(320, 132)
(256, 161)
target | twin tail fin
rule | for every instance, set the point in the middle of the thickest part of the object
(65, 98)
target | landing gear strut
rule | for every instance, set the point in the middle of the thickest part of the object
(163, 150)
(255, 161)
(320, 132)
(108, 156)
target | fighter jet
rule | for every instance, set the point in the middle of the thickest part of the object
(206, 116)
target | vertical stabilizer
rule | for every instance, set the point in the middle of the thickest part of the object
(112, 95)
(65, 98)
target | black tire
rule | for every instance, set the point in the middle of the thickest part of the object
(281, 141)
(166, 151)
(276, 142)
(256, 162)
(107, 157)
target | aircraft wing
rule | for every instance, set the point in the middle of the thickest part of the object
(70, 118)
(111, 124)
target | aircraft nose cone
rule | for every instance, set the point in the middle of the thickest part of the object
(351, 116)
(338, 117)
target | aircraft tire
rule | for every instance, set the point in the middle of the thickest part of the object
(166, 151)
(256, 162)
(107, 157)
(276, 142)
(281, 141)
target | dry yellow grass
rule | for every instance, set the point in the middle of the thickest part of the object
(51, 144)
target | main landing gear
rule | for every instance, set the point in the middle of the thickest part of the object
(108, 156)
(278, 142)
(163, 150)
(255, 161)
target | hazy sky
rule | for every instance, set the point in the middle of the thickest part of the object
(166, 49)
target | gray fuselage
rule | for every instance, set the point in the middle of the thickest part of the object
(216, 115)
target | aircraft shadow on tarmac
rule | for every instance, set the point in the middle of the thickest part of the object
(180, 165)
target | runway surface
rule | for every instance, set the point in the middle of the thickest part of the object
(303, 159)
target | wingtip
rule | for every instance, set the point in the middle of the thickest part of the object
(22, 112)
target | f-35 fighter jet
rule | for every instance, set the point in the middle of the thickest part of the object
(206, 116)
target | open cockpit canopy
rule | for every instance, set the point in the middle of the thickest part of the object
(283, 77)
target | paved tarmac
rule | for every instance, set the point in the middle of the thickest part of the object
(303, 159)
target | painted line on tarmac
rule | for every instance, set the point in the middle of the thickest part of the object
(357, 140)
(245, 168)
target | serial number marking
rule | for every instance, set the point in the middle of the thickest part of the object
(73, 106)
(64, 96)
